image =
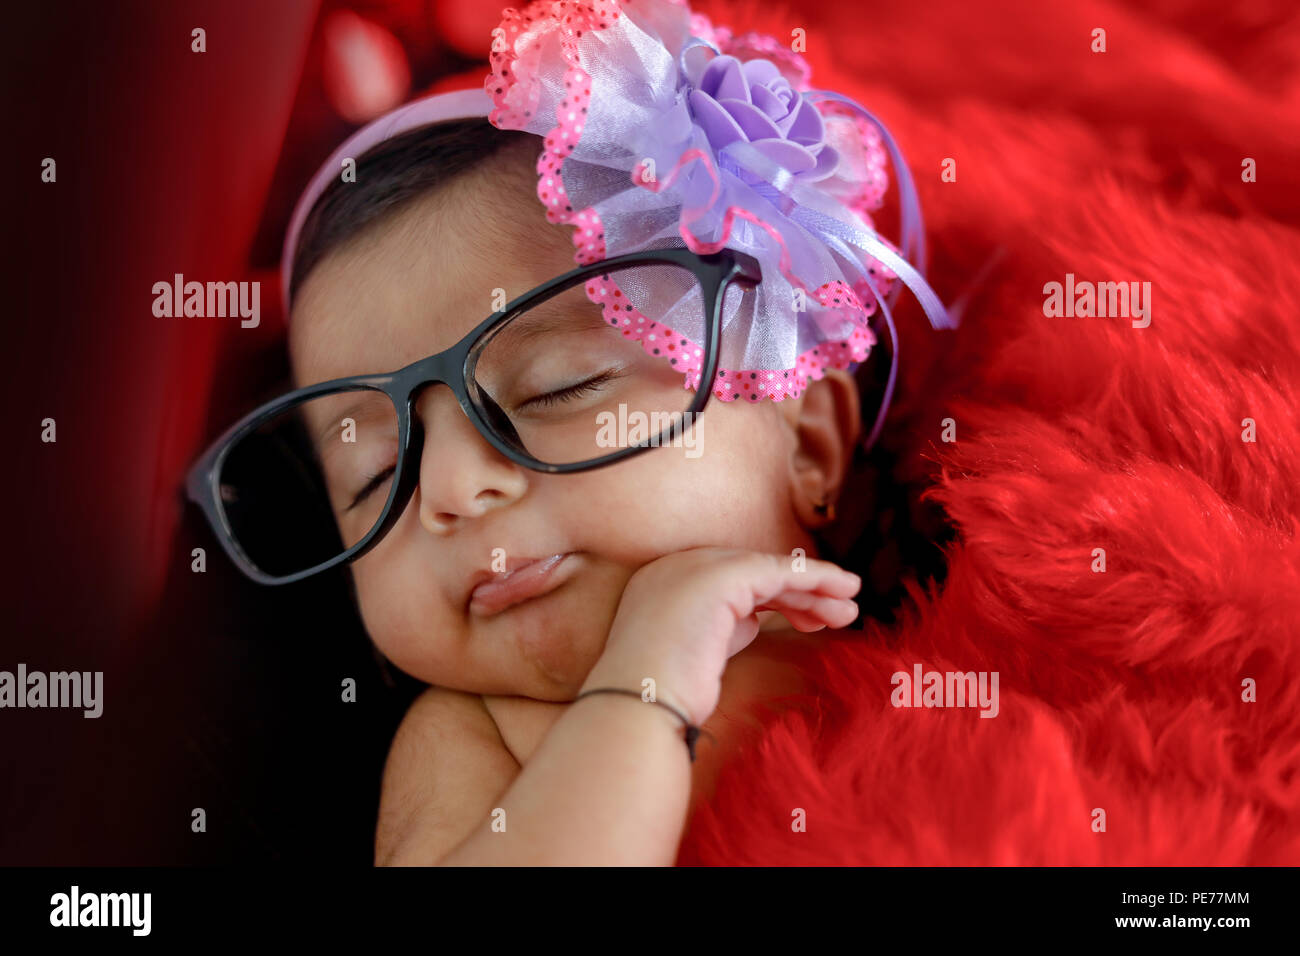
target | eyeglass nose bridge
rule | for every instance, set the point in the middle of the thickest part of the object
(445, 368)
(453, 368)
(405, 386)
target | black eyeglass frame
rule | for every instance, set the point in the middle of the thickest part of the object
(454, 367)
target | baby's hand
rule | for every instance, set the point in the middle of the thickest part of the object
(682, 616)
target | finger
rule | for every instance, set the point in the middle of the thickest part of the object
(813, 608)
(822, 576)
(830, 579)
(836, 612)
(742, 635)
(767, 581)
(800, 601)
(803, 622)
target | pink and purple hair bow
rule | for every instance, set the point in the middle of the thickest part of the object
(661, 129)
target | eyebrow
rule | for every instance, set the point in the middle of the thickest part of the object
(550, 316)
(319, 442)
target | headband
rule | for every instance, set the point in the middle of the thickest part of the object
(659, 129)
(462, 104)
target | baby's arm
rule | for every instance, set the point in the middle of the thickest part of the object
(608, 785)
(449, 769)
(446, 766)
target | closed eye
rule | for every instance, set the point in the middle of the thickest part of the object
(570, 392)
(371, 485)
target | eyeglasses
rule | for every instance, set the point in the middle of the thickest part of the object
(315, 478)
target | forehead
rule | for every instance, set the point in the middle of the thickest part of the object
(415, 282)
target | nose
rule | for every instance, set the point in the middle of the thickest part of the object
(461, 475)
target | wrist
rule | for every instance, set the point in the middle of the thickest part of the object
(651, 684)
(690, 733)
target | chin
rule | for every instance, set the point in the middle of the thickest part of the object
(555, 639)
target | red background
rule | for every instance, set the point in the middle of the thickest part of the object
(219, 694)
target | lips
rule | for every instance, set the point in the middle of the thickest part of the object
(524, 579)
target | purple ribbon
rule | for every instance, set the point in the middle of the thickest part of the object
(810, 208)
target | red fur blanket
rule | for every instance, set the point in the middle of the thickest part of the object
(1161, 690)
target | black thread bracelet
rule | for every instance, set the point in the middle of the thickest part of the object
(692, 732)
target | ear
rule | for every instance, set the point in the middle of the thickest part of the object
(827, 421)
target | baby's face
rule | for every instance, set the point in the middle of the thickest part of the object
(414, 285)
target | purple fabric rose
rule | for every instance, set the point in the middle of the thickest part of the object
(751, 102)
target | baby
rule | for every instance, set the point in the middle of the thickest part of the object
(666, 560)
(514, 588)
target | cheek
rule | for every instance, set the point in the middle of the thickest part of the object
(405, 615)
(734, 494)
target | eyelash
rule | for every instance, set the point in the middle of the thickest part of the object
(373, 482)
(570, 392)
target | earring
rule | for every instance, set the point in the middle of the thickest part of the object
(826, 510)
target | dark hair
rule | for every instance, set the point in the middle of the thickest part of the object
(888, 532)
(392, 174)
